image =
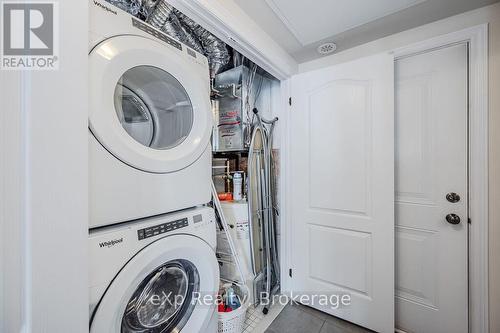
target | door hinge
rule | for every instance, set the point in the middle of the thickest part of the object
(469, 221)
(290, 272)
(290, 101)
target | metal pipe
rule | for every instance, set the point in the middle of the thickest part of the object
(258, 212)
(251, 204)
(266, 234)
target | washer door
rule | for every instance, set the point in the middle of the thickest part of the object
(149, 105)
(161, 289)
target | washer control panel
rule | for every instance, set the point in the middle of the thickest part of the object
(161, 228)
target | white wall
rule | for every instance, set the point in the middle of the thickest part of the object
(43, 229)
(491, 15)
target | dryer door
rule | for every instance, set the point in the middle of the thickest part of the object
(149, 103)
(164, 288)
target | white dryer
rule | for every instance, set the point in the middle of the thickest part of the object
(150, 120)
(155, 275)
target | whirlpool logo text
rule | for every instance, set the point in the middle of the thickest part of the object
(111, 243)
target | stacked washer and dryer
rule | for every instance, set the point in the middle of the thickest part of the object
(152, 239)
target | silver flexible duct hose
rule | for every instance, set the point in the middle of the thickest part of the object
(215, 49)
(147, 7)
(165, 18)
(188, 37)
(159, 18)
(131, 6)
(161, 15)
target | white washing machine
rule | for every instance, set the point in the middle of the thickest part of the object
(155, 275)
(150, 120)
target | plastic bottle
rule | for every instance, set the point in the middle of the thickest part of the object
(237, 185)
(232, 299)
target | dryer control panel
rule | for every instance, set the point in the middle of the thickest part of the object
(158, 34)
(161, 228)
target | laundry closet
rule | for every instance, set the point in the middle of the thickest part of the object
(179, 122)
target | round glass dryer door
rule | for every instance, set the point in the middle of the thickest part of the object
(162, 289)
(149, 103)
(153, 107)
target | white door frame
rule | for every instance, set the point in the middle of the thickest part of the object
(477, 39)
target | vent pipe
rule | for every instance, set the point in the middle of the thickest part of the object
(163, 16)
(215, 49)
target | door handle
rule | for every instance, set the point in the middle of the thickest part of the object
(453, 219)
(453, 197)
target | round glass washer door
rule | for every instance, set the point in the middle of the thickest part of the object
(149, 104)
(159, 289)
(162, 300)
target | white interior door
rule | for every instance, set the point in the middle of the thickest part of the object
(431, 161)
(342, 188)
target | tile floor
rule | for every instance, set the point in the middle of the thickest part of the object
(296, 318)
(257, 322)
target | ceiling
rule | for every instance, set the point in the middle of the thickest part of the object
(301, 26)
